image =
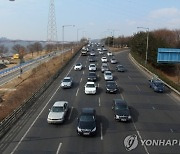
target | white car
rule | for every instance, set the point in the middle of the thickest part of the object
(108, 75)
(58, 112)
(90, 88)
(104, 59)
(66, 82)
(109, 53)
(92, 67)
(78, 66)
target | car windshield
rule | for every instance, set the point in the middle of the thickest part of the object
(92, 74)
(66, 80)
(121, 107)
(159, 84)
(90, 85)
(111, 84)
(108, 73)
(57, 109)
(120, 66)
(87, 118)
(78, 64)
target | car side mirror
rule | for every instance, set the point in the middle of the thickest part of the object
(49, 109)
(112, 107)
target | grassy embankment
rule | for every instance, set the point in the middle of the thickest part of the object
(15, 92)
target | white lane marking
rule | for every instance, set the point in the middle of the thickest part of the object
(59, 148)
(98, 84)
(70, 113)
(34, 121)
(83, 72)
(39, 115)
(99, 101)
(77, 91)
(138, 88)
(129, 77)
(153, 108)
(174, 98)
(171, 130)
(122, 96)
(145, 148)
(81, 80)
(101, 132)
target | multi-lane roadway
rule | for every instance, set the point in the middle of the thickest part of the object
(155, 116)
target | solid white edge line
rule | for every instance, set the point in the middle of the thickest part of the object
(38, 115)
(34, 121)
(59, 148)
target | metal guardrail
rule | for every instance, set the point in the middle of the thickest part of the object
(10, 120)
(152, 74)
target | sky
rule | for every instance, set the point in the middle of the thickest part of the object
(94, 19)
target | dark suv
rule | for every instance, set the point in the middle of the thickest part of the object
(121, 110)
(87, 122)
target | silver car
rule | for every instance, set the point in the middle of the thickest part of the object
(58, 112)
(67, 82)
(108, 75)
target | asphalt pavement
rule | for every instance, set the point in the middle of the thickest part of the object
(155, 116)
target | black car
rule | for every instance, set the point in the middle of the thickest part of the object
(121, 110)
(92, 59)
(120, 68)
(92, 76)
(111, 87)
(87, 122)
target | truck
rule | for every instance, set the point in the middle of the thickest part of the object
(83, 52)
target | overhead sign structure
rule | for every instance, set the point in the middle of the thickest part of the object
(168, 55)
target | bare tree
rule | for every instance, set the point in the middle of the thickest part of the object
(21, 50)
(3, 49)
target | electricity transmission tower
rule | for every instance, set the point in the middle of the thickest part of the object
(52, 29)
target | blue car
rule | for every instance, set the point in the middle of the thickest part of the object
(157, 85)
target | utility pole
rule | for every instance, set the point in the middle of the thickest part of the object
(147, 42)
(52, 29)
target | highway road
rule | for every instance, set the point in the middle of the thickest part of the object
(14, 72)
(155, 116)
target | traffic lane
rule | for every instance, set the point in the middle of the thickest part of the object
(166, 142)
(34, 116)
(110, 126)
(156, 116)
(114, 132)
(79, 144)
(46, 133)
(82, 144)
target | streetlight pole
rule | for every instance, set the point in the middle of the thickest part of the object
(147, 43)
(63, 36)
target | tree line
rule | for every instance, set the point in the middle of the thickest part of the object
(161, 38)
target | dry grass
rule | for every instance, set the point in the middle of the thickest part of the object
(20, 89)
